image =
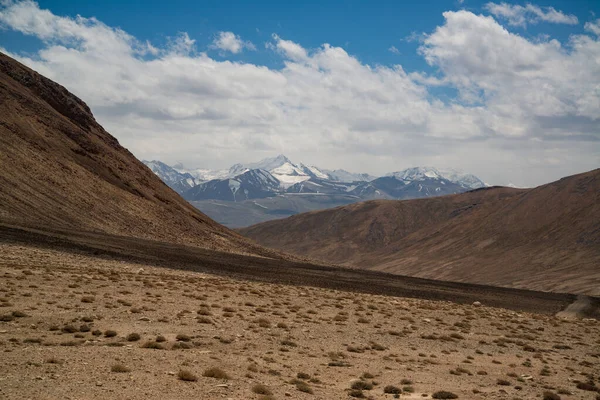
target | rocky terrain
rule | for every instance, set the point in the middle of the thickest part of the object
(78, 326)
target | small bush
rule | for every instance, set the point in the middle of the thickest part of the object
(152, 345)
(160, 339)
(69, 329)
(303, 387)
(109, 333)
(133, 337)
(19, 314)
(186, 375)
(590, 387)
(88, 299)
(120, 368)
(261, 389)
(361, 385)
(442, 394)
(6, 318)
(216, 373)
(391, 389)
(356, 393)
(550, 396)
(503, 382)
(183, 338)
(263, 323)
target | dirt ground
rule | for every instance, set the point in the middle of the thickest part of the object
(233, 338)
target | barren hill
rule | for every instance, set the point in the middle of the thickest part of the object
(546, 238)
(60, 169)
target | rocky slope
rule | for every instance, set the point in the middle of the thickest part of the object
(62, 170)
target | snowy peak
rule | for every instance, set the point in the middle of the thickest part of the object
(341, 175)
(252, 184)
(279, 176)
(204, 175)
(460, 178)
(259, 178)
(416, 174)
(179, 182)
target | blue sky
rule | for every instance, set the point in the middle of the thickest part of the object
(367, 29)
(480, 86)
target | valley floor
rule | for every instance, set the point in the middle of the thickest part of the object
(232, 338)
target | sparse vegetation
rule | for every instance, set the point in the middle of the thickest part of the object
(261, 389)
(442, 394)
(120, 368)
(110, 333)
(216, 373)
(185, 375)
(133, 337)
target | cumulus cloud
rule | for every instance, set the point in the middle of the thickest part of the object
(228, 41)
(593, 26)
(394, 50)
(288, 49)
(512, 75)
(522, 105)
(518, 15)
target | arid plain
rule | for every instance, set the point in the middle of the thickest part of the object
(76, 327)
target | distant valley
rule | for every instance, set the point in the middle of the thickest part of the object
(273, 188)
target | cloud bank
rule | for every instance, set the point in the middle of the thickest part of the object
(525, 112)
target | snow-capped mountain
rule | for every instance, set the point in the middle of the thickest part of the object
(176, 180)
(287, 172)
(391, 187)
(460, 178)
(277, 187)
(341, 175)
(204, 175)
(251, 184)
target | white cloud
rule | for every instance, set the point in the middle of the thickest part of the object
(593, 27)
(517, 15)
(394, 50)
(523, 106)
(288, 49)
(228, 41)
(514, 76)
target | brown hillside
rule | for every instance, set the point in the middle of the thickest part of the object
(547, 238)
(60, 169)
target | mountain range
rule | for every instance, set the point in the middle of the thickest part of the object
(277, 187)
(545, 238)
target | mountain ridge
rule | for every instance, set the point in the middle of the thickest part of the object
(545, 238)
(61, 169)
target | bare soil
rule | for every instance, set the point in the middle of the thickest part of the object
(287, 338)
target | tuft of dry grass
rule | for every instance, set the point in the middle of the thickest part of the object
(133, 337)
(186, 375)
(152, 345)
(443, 394)
(216, 373)
(119, 368)
(259, 388)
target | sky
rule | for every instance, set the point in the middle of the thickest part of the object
(509, 91)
